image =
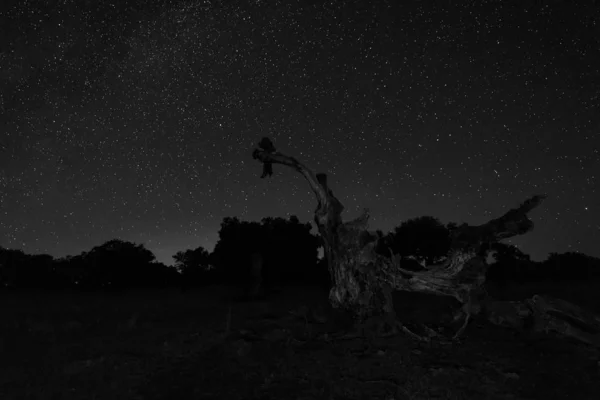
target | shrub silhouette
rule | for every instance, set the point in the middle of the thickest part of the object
(289, 253)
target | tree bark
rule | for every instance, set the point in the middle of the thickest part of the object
(363, 279)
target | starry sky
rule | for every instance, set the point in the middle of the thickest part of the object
(136, 119)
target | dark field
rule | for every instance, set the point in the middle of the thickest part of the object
(169, 345)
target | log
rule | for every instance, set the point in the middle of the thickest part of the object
(548, 315)
(363, 280)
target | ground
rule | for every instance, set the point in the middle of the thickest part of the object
(199, 345)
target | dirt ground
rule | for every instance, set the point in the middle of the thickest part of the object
(200, 345)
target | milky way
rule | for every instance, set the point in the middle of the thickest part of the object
(138, 122)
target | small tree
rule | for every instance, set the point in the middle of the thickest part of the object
(116, 264)
(424, 238)
(194, 267)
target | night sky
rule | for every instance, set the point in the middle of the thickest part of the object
(135, 122)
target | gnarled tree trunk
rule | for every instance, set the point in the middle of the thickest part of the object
(363, 280)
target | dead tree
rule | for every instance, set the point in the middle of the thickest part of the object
(364, 280)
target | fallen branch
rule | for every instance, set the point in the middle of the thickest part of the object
(548, 315)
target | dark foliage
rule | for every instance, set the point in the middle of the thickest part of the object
(289, 253)
(288, 249)
(425, 238)
(194, 267)
(114, 265)
(18, 269)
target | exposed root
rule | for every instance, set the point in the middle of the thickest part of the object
(461, 330)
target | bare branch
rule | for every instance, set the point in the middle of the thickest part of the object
(328, 205)
(280, 158)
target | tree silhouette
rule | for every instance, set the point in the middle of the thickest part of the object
(570, 266)
(508, 264)
(18, 269)
(10, 273)
(37, 271)
(117, 264)
(71, 271)
(288, 249)
(194, 266)
(232, 253)
(424, 238)
(157, 274)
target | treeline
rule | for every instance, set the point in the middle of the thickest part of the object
(290, 256)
